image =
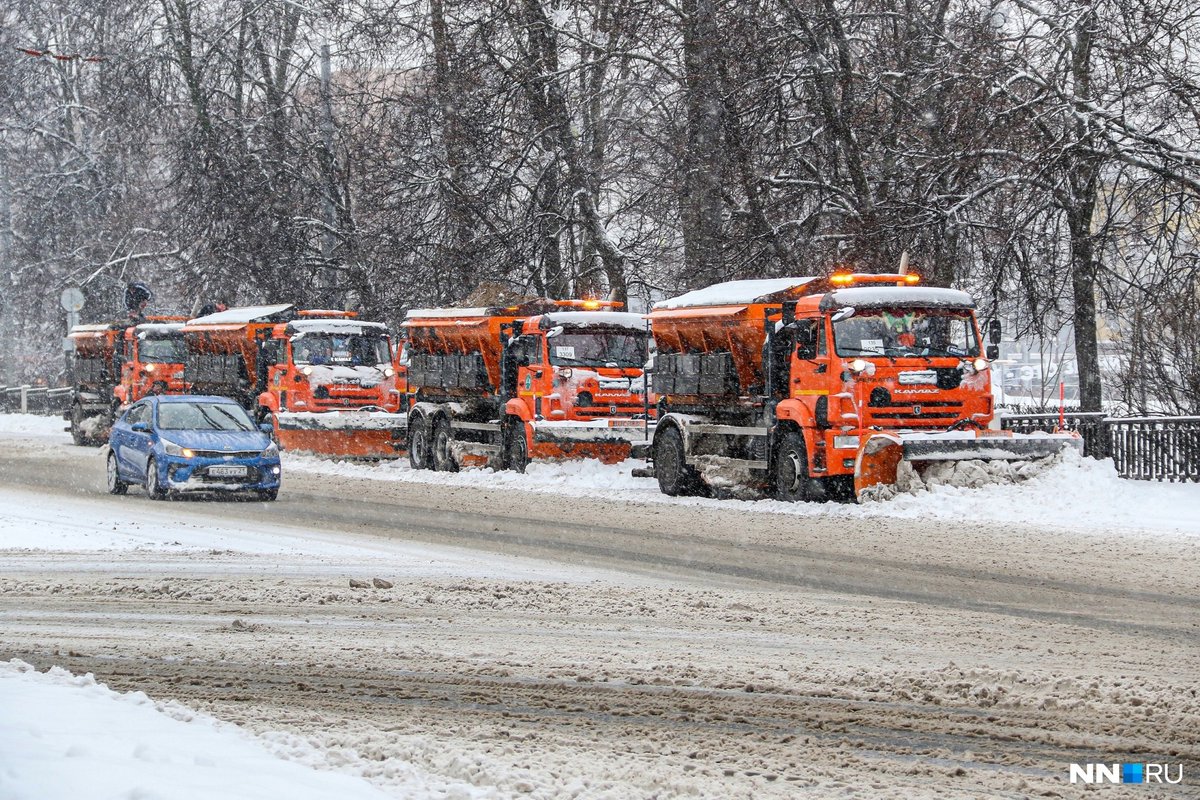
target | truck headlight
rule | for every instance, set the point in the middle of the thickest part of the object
(859, 365)
(307, 370)
(148, 367)
(975, 366)
(388, 372)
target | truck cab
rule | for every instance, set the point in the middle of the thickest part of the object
(863, 359)
(317, 365)
(153, 361)
(579, 365)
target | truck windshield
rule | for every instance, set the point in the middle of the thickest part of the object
(598, 349)
(203, 417)
(345, 350)
(162, 351)
(901, 332)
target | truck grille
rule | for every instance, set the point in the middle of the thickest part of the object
(933, 412)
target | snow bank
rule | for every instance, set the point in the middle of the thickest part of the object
(1075, 493)
(65, 737)
(31, 425)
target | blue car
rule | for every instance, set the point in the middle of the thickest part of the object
(182, 443)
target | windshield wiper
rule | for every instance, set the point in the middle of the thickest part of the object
(237, 422)
(212, 423)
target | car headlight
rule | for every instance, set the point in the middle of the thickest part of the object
(173, 449)
(271, 449)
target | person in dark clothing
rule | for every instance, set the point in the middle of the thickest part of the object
(212, 307)
(137, 297)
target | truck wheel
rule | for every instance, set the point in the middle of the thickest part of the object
(419, 445)
(516, 448)
(115, 484)
(153, 487)
(77, 419)
(791, 469)
(443, 437)
(675, 477)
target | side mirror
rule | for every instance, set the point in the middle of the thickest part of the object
(139, 427)
(806, 341)
(993, 332)
(993, 352)
(267, 428)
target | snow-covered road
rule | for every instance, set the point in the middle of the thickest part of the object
(572, 634)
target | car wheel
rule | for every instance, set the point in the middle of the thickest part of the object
(115, 484)
(418, 444)
(675, 477)
(443, 455)
(153, 487)
(516, 448)
(792, 482)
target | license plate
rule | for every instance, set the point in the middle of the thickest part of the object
(227, 472)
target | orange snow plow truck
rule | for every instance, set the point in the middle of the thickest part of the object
(823, 387)
(538, 380)
(326, 380)
(120, 363)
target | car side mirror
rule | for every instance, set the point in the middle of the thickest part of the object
(267, 428)
(139, 427)
(993, 352)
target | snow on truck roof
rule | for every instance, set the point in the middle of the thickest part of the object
(154, 330)
(302, 326)
(889, 296)
(733, 293)
(442, 313)
(584, 319)
(243, 315)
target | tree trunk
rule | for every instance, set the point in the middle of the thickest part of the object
(701, 214)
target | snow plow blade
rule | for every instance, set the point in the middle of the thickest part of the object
(343, 434)
(880, 455)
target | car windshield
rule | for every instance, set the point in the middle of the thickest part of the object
(901, 332)
(170, 350)
(346, 350)
(203, 417)
(598, 349)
